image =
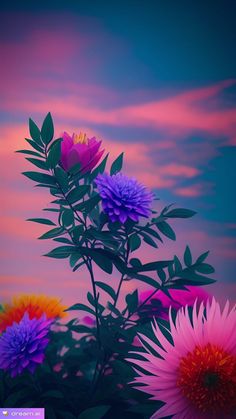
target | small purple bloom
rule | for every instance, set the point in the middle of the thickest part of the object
(22, 345)
(123, 197)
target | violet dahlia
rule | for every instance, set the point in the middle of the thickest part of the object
(22, 345)
(123, 197)
(194, 372)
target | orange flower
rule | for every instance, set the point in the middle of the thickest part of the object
(35, 305)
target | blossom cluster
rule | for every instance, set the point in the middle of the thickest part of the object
(24, 328)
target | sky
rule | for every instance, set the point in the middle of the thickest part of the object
(154, 79)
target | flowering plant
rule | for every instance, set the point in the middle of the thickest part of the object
(79, 368)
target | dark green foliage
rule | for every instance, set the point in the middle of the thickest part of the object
(93, 379)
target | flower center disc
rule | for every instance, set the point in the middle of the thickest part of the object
(207, 377)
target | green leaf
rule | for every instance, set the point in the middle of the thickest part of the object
(107, 288)
(101, 260)
(52, 233)
(34, 132)
(74, 257)
(88, 205)
(77, 232)
(202, 257)
(61, 252)
(166, 229)
(40, 177)
(54, 154)
(99, 169)
(134, 242)
(147, 279)
(30, 152)
(35, 145)
(205, 268)
(62, 178)
(153, 266)
(42, 221)
(180, 213)
(117, 165)
(132, 301)
(67, 217)
(77, 193)
(81, 307)
(47, 130)
(56, 394)
(177, 263)
(162, 275)
(148, 240)
(135, 262)
(187, 257)
(38, 163)
(97, 412)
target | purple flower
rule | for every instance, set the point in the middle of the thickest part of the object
(123, 197)
(79, 149)
(22, 345)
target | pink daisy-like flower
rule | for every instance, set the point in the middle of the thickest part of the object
(194, 372)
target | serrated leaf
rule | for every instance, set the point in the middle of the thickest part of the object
(52, 233)
(134, 242)
(117, 165)
(38, 163)
(47, 130)
(107, 288)
(54, 154)
(166, 229)
(187, 257)
(42, 221)
(180, 213)
(40, 177)
(34, 132)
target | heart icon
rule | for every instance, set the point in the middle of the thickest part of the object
(5, 413)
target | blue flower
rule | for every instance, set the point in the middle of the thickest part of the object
(123, 197)
(22, 345)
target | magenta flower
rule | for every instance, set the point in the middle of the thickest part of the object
(193, 372)
(23, 344)
(180, 298)
(79, 149)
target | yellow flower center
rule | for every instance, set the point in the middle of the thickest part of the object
(207, 377)
(81, 138)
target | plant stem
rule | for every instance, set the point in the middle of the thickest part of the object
(90, 269)
(123, 275)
